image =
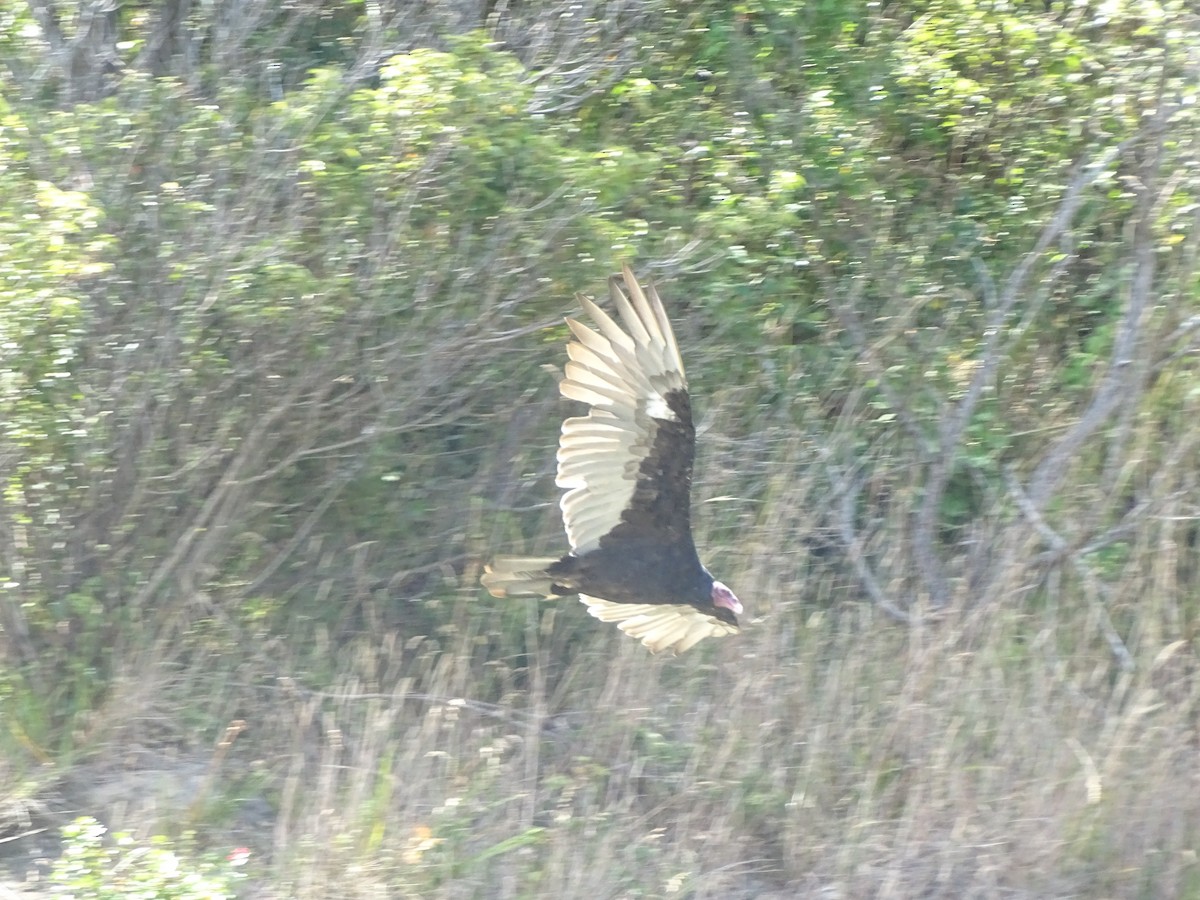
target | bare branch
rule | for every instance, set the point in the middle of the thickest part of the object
(1095, 591)
(1118, 380)
(848, 488)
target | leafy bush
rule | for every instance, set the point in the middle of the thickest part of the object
(93, 868)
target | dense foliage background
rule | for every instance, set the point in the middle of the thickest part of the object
(281, 289)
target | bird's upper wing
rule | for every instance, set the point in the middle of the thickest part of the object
(659, 627)
(627, 464)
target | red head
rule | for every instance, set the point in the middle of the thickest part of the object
(725, 598)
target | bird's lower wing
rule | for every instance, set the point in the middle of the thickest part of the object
(659, 626)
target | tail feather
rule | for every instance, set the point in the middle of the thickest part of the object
(515, 575)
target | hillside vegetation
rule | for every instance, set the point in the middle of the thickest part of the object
(281, 300)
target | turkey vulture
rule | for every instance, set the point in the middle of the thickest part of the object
(627, 468)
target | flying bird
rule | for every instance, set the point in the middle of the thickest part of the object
(627, 470)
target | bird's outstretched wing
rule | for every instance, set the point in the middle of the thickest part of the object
(659, 626)
(627, 464)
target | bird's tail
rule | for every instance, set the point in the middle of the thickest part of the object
(514, 575)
